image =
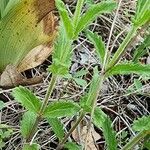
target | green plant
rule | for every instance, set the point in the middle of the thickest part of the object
(5, 132)
(69, 30)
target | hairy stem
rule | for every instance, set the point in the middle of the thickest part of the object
(135, 140)
(94, 104)
(48, 93)
(122, 48)
(60, 145)
(106, 57)
(45, 102)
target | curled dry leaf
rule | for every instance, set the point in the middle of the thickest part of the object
(79, 136)
(12, 77)
(34, 58)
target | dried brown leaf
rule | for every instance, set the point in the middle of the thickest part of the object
(79, 136)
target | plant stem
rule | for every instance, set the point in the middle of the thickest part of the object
(135, 140)
(106, 57)
(77, 13)
(94, 104)
(60, 145)
(48, 93)
(122, 48)
(44, 104)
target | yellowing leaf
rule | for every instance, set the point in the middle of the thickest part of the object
(24, 27)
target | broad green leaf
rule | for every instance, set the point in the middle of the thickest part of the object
(3, 4)
(34, 146)
(92, 13)
(27, 123)
(22, 29)
(141, 50)
(101, 120)
(142, 124)
(27, 99)
(9, 4)
(72, 146)
(98, 44)
(129, 68)
(61, 109)
(57, 127)
(93, 88)
(66, 20)
(2, 105)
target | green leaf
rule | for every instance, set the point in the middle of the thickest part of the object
(61, 109)
(89, 2)
(2, 144)
(27, 99)
(142, 124)
(109, 133)
(92, 13)
(129, 68)
(9, 4)
(3, 4)
(27, 123)
(7, 133)
(101, 120)
(93, 88)
(62, 54)
(99, 117)
(80, 82)
(98, 44)
(34, 146)
(147, 144)
(2, 105)
(142, 13)
(138, 85)
(4, 126)
(142, 49)
(67, 22)
(57, 127)
(22, 29)
(72, 146)
(80, 73)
